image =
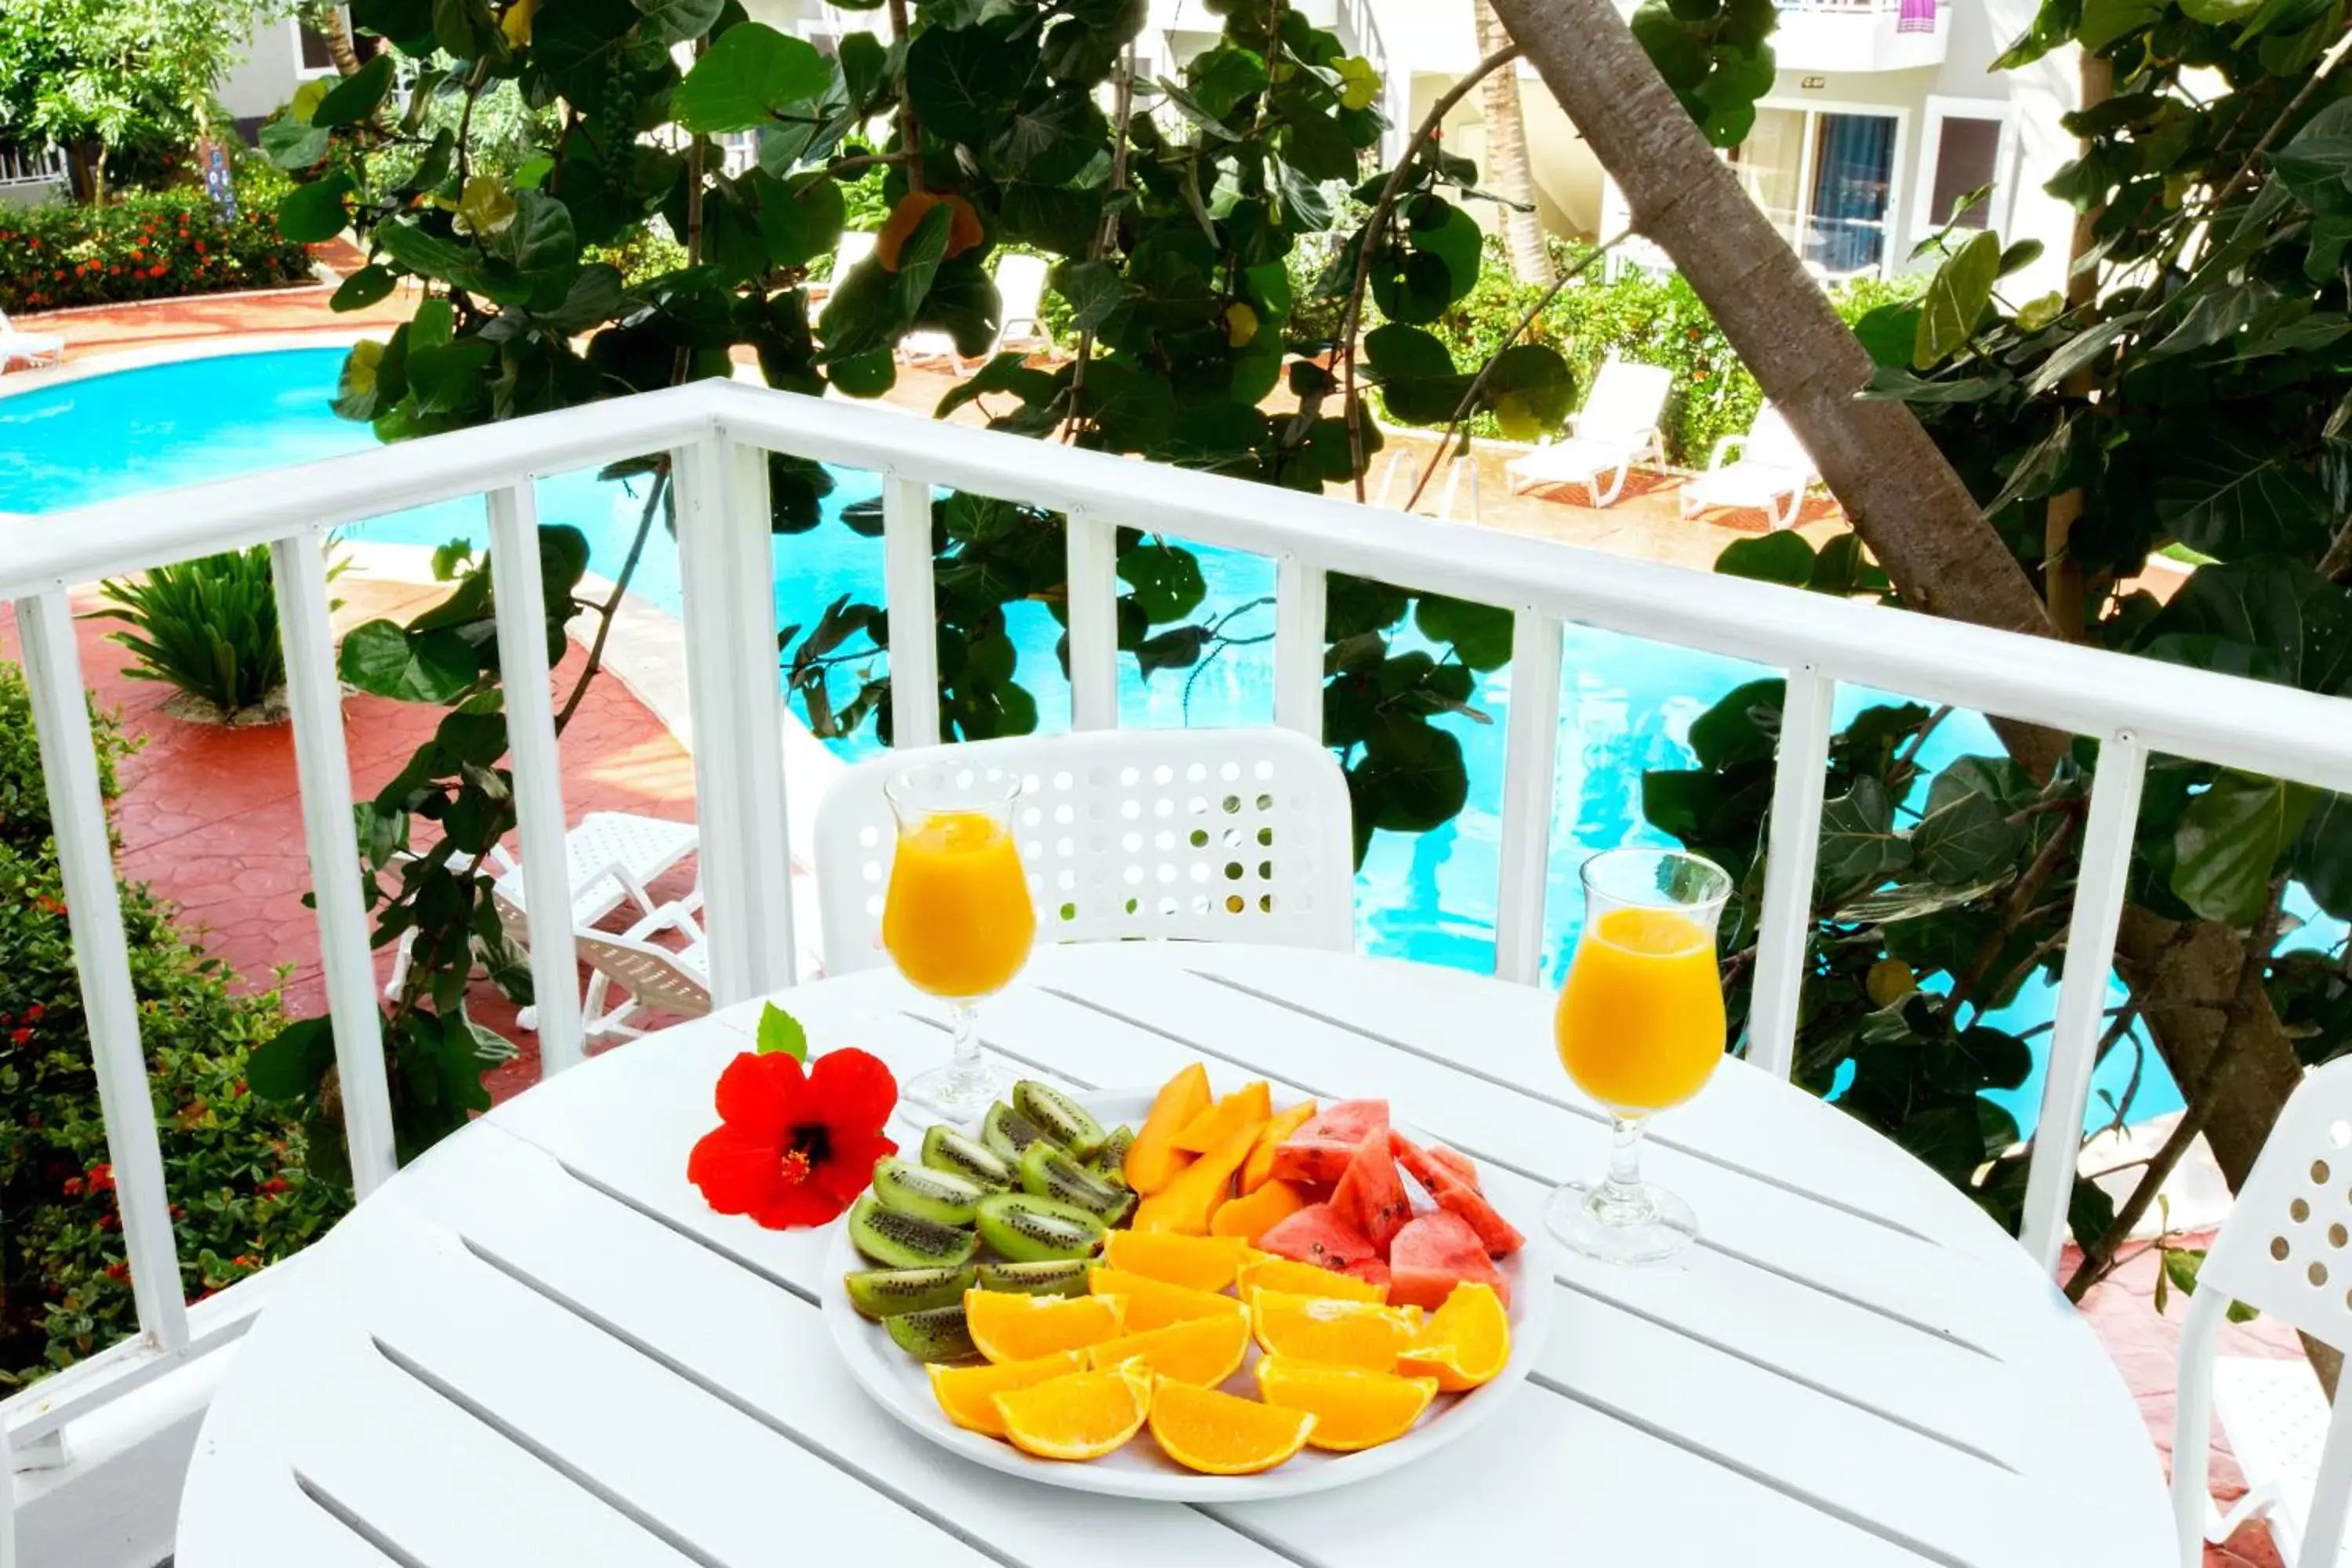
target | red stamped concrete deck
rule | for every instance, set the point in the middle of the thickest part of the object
(210, 817)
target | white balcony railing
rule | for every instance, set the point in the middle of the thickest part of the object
(718, 433)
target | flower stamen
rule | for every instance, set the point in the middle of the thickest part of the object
(797, 1165)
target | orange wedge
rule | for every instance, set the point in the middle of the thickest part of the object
(1466, 1342)
(967, 1394)
(1154, 1303)
(1250, 1105)
(1082, 1417)
(1333, 1332)
(1200, 1351)
(1153, 1160)
(1201, 1262)
(1252, 1215)
(1258, 1169)
(1221, 1433)
(1188, 1203)
(1007, 1327)
(1352, 1408)
(1264, 1272)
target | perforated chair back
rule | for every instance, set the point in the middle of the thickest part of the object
(2286, 1250)
(1236, 835)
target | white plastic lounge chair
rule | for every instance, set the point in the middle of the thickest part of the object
(1208, 835)
(1403, 473)
(853, 247)
(2281, 1251)
(1617, 427)
(1020, 294)
(7, 1505)
(611, 857)
(652, 978)
(30, 348)
(1772, 463)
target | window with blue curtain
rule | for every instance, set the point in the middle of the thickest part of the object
(1853, 173)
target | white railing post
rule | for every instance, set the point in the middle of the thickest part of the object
(910, 600)
(736, 693)
(1298, 600)
(1530, 775)
(2083, 994)
(315, 695)
(103, 962)
(1785, 925)
(1091, 607)
(521, 599)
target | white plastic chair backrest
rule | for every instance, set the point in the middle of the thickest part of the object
(1625, 400)
(654, 976)
(853, 247)
(1020, 288)
(1771, 442)
(7, 1495)
(1239, 835)
(2286, 1251)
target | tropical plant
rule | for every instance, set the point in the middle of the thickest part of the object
(146, 246)
(208, 627)
(236, 1169)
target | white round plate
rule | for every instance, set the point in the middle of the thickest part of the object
(1139, 1469)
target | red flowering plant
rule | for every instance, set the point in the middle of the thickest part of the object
(797, 1140)
(147, 246)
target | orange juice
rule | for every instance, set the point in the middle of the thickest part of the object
(958, 920)
(1640, 1024)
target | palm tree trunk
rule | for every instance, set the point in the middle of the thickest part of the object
(1905, 502)
(327, 21)
(1507, 172)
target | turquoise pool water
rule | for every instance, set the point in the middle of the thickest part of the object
(1626, 706)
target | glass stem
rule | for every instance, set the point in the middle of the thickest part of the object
(964, 1018)
(1623, 1190)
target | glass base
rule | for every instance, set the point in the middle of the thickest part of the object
(958, 1094)
(1587, 1219)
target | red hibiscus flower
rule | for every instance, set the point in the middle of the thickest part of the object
(794, 1146)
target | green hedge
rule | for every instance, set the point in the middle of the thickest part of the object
(1653, 318)
(146, 246)
(234, 1167)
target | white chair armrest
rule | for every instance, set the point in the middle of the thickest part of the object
(1721, 453)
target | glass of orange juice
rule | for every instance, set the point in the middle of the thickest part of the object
(1640, 1027)
(958, 918)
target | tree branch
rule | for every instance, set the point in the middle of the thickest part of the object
(911, 129)
(1105, 231)
(1353, 318)
(605, 611)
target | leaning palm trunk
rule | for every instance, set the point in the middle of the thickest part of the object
(1507, 173)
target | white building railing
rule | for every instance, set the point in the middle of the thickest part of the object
(718, 433)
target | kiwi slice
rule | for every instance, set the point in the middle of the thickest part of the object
(1048, 1172)
(1058, 1279)
(926, 1193)
(939, 1334)
(886, 1292)
(899, 1240)
(1111, 1160)
(1007, 1131)
(945, 1149)
(1059, 1116)
(1021, 1228)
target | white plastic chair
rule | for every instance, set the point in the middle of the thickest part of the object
(33, 348)
(1772, 463)
(610, 857)
(1236, 835)
(652, 978)
(1617, 427)
(1020, 294)
(7, 1504)
(2286, 1250)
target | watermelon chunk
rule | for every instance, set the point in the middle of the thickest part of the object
(1372, 1271)
(1370, 1197)
(1461, 1165)
(1433, 1254)
(1318, 1153)
(1317, 1235)
(1456, 1195)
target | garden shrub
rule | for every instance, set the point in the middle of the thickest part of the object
(208, 627)
(236, 1167)
(146, 246)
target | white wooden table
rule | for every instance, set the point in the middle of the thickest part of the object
(538, 1346)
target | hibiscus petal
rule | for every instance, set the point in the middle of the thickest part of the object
(850, 1165)
(765, 1091)
(851, 1092)
(739, 1168)
(798, 1204)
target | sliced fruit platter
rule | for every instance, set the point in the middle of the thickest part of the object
(1200, 1297)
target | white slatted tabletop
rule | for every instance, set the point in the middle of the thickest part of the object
(538, 1345)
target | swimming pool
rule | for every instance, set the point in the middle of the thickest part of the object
(1626, 704)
